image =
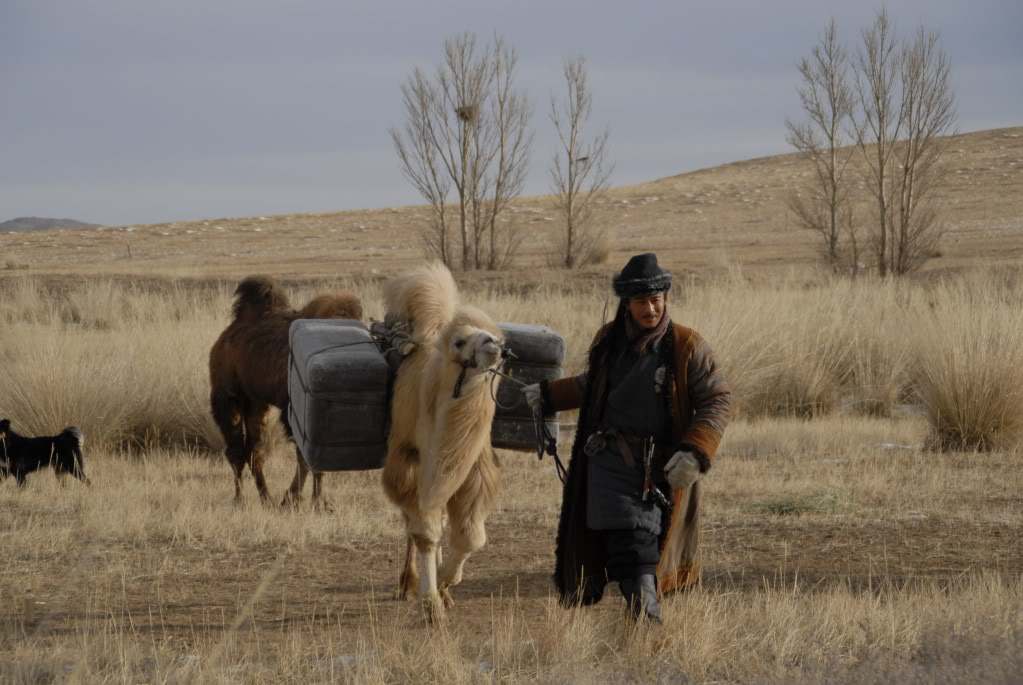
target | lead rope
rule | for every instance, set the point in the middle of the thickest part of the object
(546, 443)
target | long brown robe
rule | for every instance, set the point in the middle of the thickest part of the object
(700, 409)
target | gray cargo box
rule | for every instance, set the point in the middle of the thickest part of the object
(539, 355)
(338, 386)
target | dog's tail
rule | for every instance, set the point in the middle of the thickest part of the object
(257, 296)
(74, 438)
(342, 305)
(426, 298)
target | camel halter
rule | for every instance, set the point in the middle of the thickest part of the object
(466, 365)
(460, 381)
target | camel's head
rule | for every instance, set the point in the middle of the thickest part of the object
(473, 342)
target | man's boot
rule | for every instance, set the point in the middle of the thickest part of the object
(641, 597)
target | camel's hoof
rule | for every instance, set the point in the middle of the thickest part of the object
(447, 599)
(433, 610)
(405, 592)
(323, 506)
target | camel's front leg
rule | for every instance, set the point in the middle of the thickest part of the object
(294, 494)
(410, 573)
(426, 534)
(467, 515)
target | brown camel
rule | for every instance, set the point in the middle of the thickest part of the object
(249, 374)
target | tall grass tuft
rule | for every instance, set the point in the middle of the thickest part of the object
(969, 364)
(130, 366)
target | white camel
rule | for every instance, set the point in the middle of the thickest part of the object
(439, 455)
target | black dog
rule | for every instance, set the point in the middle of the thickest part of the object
(20, 456)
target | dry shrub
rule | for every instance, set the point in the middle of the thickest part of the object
(784, 350)
(131, 365)
(969, 364)
(599, 251)
(51, 381)
(875, 320)
(124, 366)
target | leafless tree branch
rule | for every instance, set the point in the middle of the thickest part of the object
(580, 172)
(466, 130)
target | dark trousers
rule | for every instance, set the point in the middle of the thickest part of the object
(630, 553)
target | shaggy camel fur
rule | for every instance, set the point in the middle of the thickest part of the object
(438, 453)
(249, 374)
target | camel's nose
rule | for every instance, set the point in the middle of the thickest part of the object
(491, 350)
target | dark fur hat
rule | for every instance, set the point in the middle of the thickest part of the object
(641, 276)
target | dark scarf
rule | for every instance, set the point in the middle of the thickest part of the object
(642, 339)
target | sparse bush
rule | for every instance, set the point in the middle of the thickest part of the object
(969, 365)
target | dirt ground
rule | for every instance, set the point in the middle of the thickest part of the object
(181, 592)
(73, 568)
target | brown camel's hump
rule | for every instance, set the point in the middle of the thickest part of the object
(341, 305)
(257, 296)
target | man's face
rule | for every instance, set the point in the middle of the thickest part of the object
(647, 310)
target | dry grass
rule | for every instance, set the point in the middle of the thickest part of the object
(969, 366)
(129, 365)
(151, 575)
(837, 546)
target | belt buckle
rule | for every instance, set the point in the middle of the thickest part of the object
(594, 444)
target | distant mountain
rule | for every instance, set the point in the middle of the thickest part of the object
(36, 223)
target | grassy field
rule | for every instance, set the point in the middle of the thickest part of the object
(864, 520)
(839, 544)
(830, 556)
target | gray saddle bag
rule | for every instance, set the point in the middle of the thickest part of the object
(339, 400)
(339, 384)
(537, 354)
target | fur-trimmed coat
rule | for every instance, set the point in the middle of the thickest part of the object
(700, 404)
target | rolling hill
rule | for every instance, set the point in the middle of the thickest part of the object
(36, 223)
(699, 222)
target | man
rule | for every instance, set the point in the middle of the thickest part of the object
(653, 410)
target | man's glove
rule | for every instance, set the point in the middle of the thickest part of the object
(682, 470)
(533, 396)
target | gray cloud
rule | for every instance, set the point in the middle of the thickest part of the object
(118, 111)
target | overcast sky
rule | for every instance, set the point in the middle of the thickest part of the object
(141, 111)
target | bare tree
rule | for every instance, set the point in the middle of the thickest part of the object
(824, 205)
(510, 145)
(906, 107)
(466, 129)
(880, 123)
(421, 161)
(928, 114)
(579, 169)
